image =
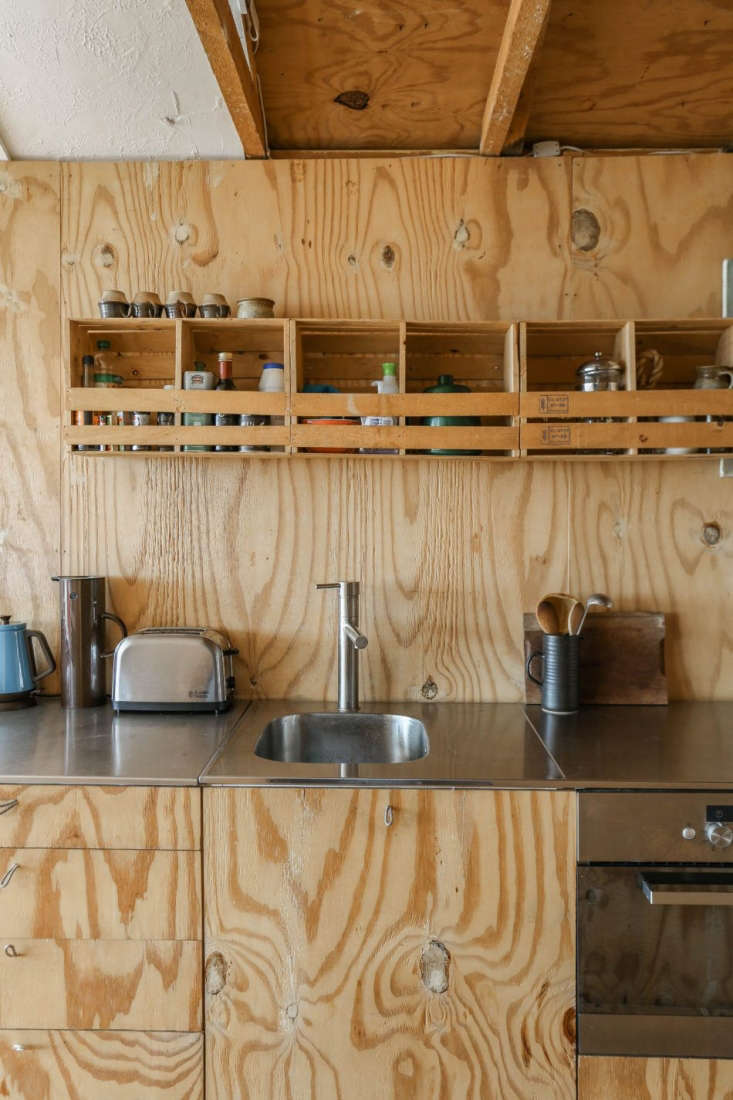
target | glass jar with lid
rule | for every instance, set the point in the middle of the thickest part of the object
(600, 373)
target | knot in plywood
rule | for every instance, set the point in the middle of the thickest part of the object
(585, 230)
(354, 99)
(434, 966)
(216, 973)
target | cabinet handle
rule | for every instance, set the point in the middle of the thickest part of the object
(19, 1047)
(10, 951)
(6, 807)
(8, 875)
(388, 816)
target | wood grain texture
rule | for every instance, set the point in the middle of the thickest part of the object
(425, 70)
(630, 75)
(522, 31)
(432, 958)
(100, 1065)
(331, 238)
(663, 231)
(654, 1079)
(449, 553)
(92, 894)
(639, 534)
(29, 401)
(102, 984)
(101, 817)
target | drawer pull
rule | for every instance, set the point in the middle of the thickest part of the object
(10, 951)
(6, 807)
(19, 1047)
(388, 816)
(4, 881)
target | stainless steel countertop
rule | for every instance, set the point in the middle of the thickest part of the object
(471, 744)
(513, 745)
(46, 744)
(679, 745)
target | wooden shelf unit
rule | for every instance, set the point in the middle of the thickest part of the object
(152, 353)
(561, 421)
(521, 378)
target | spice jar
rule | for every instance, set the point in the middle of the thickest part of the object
(104, 380)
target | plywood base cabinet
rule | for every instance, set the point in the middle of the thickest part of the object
(654, 1079)
(386, 944)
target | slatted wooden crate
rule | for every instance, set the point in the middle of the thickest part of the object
(149, 354)
(348, 356)
(562, 421)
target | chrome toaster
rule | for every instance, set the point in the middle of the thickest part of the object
(173, 669)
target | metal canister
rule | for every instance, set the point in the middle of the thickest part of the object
(166, 419)
(597, 375)
(199, 379)
(141, 420)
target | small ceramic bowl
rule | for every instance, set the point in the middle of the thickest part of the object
(255, 307)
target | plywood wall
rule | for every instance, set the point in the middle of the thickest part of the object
(29, 393)
(449, 553)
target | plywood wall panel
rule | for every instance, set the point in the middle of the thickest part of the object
(448, 553)
(664, 224)
(660, 537)
(29, 393)
(426, 239)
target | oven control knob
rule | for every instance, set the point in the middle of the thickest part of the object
(688, 833)
(718, 836)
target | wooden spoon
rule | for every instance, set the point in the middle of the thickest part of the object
(547, 617)
(561, 603)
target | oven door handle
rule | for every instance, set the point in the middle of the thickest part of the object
(688, 888)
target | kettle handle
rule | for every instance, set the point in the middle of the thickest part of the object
(121, 625)
(51, 667)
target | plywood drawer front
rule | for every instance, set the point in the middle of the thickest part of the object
(100, 1065)
(100, 817)
(654, 1079)
(101, 984)
(73, 893)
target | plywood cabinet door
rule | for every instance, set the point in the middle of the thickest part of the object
(654, 1079)
(100, 1065)
(389, 944)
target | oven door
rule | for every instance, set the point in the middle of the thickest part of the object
(655, 961)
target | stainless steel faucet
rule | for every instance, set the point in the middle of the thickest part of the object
(351, 640)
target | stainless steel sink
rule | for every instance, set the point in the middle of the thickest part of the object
(346, 739)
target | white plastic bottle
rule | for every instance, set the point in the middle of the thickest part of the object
(272, 380)
(386, 384)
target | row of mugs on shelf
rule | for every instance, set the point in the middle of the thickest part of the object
(180, 303)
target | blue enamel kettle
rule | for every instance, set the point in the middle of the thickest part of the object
(18, 675)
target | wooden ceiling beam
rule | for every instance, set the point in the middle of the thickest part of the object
(237, 82)
(523, 30)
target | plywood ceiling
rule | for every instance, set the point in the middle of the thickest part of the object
(416, 74)
(656, 73)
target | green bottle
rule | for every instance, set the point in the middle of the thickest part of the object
(447, 385)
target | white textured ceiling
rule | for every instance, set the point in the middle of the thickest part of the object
(108, 79)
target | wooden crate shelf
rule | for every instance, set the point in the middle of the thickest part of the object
(155, 353)
(521, 377)
(558, 419)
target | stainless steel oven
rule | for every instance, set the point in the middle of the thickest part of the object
(655, 923)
